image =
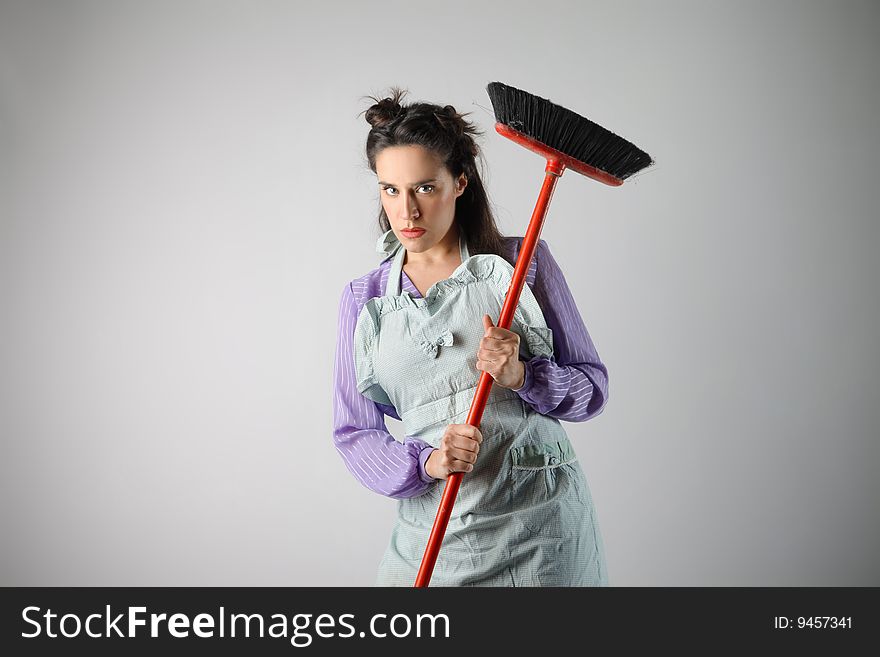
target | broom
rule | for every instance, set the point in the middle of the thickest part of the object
(565, 140)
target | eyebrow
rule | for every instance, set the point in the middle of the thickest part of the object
(415, 185)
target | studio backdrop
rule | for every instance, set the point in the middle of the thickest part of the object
(184, 194)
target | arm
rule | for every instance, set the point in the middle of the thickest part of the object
(573, 385)
(370, 452)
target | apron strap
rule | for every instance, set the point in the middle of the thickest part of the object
(392, 287)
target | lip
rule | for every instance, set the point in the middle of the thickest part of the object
(416, 232)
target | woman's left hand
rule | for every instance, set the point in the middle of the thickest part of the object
(499, 356)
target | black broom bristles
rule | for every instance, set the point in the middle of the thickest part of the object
(565, 131)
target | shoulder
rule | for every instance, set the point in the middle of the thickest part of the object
(542, 260)
(360, 290)
(513, 244)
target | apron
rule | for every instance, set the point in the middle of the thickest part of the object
(524, 515)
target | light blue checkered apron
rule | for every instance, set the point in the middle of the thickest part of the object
(524, 516)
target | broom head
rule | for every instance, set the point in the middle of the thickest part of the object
(557, 133)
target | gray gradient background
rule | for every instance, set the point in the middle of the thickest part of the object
(183, 196)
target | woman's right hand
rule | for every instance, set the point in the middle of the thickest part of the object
(458, 451)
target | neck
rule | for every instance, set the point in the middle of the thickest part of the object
(445, 250)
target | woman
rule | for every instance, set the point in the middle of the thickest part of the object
(414, 335)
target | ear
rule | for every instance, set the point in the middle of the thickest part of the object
(460, 185)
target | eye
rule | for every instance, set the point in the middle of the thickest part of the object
(430, 188)
(389, 190)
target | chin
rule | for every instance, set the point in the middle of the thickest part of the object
(419, 248)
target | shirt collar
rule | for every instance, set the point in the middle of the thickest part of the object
(387, 244)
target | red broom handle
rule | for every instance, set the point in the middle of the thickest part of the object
(553, 171)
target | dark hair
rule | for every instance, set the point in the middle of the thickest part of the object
(444, 132)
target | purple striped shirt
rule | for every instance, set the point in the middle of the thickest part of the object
(572, 386)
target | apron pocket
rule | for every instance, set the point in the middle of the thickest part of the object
(544, 485)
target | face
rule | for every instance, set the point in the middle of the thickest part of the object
(418, 192)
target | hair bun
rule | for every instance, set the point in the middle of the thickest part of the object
(451, 120)
(385, 110)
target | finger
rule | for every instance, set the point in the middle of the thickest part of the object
(469, 431)
(463, 455)
(489, 356)
(466, 430)
(486, 366)
(492, 344)
(496, 339)
(453, 464)
(497, 355)
(466, 458)
(457, 466)
(466, 445)
(503, 352)
(463, 443)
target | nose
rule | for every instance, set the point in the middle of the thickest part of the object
(408, 208)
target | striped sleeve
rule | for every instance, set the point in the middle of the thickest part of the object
(370, 452)
(573, 385)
